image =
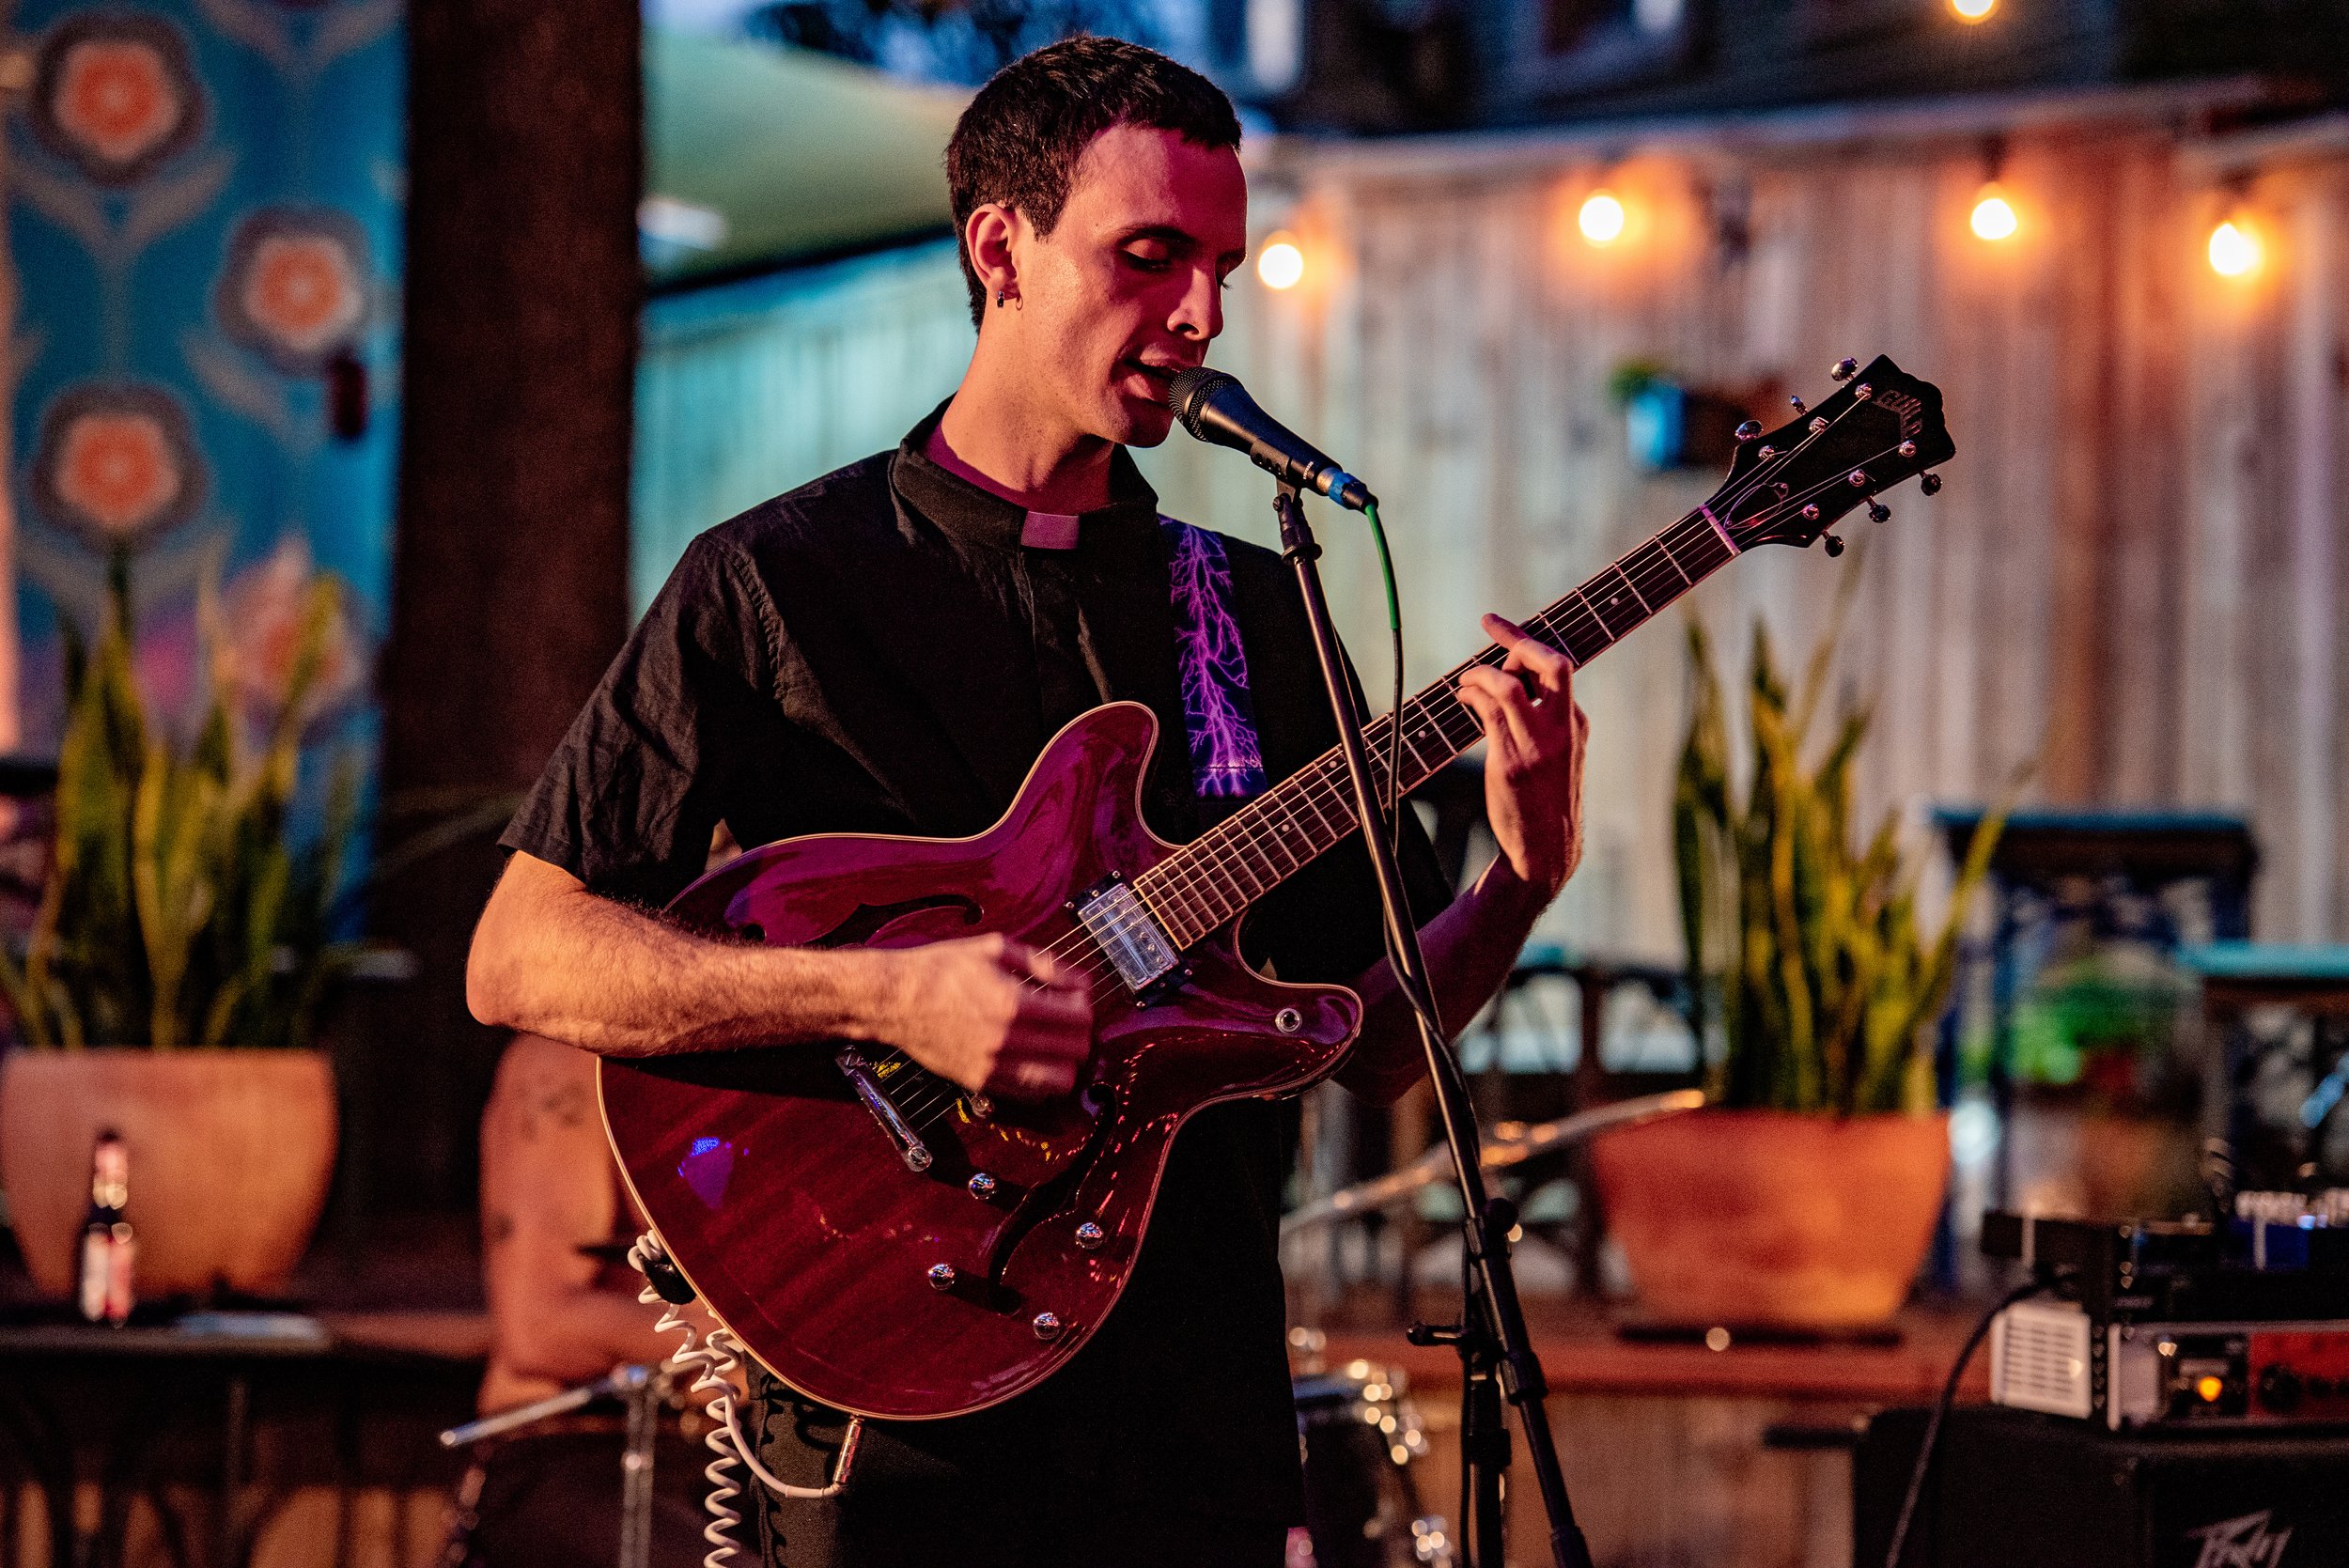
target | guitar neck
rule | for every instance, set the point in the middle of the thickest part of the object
(1210, 881)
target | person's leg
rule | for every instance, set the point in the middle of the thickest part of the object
(1177, 1541)
(910, 1498)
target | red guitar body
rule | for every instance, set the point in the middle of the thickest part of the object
(787, 1204)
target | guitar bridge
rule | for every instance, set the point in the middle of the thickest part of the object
(911, 1148)
(1121, 924)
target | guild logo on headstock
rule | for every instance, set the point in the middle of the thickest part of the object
(1911, 412)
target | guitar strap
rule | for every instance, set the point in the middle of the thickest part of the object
(1226, 764)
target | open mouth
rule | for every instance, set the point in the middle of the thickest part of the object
(1160, 376)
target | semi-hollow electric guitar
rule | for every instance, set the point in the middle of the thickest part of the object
(890, 1243)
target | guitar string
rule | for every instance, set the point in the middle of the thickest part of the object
(1252, 828)
(1209, 848)
(1221, 855)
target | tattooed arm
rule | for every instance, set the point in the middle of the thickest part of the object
(548, 1187)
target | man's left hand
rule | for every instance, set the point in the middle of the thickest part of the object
(1536, 734)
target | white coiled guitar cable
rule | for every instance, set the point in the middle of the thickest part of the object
(713, 1358)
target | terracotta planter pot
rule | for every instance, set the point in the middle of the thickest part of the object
(1769, 1219)
(230, 1154)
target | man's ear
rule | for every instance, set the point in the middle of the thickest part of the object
(988, 235)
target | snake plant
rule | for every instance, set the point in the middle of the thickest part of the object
(179, 908)
(1806, 953)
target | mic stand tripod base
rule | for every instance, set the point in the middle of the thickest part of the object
(1497, 1360)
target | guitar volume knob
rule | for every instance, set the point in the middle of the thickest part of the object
(1047, 1327)
(982, 1184)
(1090, 1235)
(943, 1276)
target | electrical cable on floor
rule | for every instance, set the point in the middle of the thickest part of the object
(713, 1358)
(1940, 1412)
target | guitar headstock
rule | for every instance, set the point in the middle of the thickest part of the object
(1789, 485)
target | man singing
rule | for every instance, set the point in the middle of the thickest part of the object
(886, 650)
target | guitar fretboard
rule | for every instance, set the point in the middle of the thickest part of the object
(1211, 880)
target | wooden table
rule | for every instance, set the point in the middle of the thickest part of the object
(223, 1446)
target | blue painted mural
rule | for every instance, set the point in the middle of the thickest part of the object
(205, 219)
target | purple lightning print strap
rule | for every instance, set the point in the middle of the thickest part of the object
(1225, 762)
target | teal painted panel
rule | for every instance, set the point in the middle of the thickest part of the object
(205, 219)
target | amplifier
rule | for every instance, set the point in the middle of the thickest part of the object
(2052, 1357)
(2174, 1324)
(2012, 1489)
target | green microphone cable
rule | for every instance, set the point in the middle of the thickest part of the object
(1394, 629)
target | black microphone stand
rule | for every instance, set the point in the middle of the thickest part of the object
(1496, 1358)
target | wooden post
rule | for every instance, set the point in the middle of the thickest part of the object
(510, 573)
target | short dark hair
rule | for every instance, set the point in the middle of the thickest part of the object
(1018, 141)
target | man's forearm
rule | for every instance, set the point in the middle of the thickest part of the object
(1470, 948)
(555, 959)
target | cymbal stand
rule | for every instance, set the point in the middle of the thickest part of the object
(1497, 1359)
(641, 1389)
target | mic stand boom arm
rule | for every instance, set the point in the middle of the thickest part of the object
(1495, 1354)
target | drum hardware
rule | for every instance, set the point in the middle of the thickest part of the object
(1511, 1144)
(1360, 1436)
(641, 1390)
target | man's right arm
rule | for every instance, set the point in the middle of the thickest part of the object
(551, 957)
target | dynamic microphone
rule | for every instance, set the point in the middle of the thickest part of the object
(1216, 408)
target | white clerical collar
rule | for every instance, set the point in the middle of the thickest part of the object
(1049, 531)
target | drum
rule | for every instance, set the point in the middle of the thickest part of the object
(1361, 1437)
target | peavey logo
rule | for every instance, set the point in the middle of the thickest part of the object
(2245, 1543)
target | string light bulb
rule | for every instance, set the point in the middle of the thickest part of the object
(1994, 215)
(2235, 250)
(1972, 11)
(1280, 264)
(1601, 219)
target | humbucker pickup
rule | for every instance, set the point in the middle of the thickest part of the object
(1117, 919)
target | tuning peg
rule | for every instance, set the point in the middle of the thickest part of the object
(1907, 449)
(1930, 484)
(1746, 431)
(1834, 545)
(1879, 512)
(1811, 514)
(1818, 425)
(1858, 478)
(1800, 407)
(1845, 369)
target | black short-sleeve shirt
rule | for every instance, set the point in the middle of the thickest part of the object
(878, 652)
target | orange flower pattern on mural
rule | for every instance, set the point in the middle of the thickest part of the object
(116, 95)
(116, 469)
(295, 289)
(301, 287)
(116, 464)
